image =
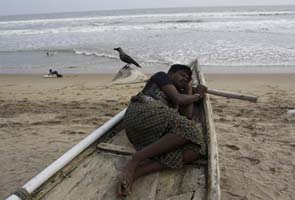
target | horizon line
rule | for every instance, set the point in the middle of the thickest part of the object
(148, 8)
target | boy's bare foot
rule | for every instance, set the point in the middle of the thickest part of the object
(126, 175)
(121, 192)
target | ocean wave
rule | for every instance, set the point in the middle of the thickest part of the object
(53, 52)
(181, 21)
(181, 17)
(149, 59)
(42, 21)
(94, 53)
(260, 26)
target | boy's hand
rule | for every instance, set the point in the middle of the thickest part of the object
(188, 89)
(202, 89)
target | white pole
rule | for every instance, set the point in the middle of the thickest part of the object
(13, 197)
(44, 175)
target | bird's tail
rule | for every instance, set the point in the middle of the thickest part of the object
(137, 65)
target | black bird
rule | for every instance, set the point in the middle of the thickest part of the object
(125, 58)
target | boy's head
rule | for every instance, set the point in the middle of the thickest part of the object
(181, 75)
(179, 67)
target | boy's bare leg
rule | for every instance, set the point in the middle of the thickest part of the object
(154, 166)
(167, 143)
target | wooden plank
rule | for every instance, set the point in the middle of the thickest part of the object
(121, 140)
(200, 192)
(66, 172)
(193, 178)
(62, 174)
(213, 163)
(186, 196)
(175, 183)
(88, 181)
(124, 150)
(169, 182)
(145, 188)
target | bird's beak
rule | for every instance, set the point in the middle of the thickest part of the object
(116, 49)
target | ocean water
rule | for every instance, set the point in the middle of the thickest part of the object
(224, 39)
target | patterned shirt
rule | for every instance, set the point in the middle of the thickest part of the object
(154, 85)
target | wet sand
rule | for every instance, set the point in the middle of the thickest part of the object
(41, 118)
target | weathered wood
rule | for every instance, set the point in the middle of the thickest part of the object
(124, 150)
(213, 163)
(169, 183)
(186, 196)
(200, 193)
(62, 174)
(67, 170)
(201, 188)
(88, 181)
(145, 188)
(232, 95)
(96, 178)
(177, 183)
(193, 178)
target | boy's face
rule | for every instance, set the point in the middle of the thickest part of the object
(180, 79)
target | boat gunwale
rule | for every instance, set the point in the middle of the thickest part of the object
(214, 192)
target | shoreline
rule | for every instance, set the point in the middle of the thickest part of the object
(106, 66)
(206, 72)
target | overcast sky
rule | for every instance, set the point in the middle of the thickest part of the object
(14, 7)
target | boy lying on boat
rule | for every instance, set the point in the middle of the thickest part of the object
(157, 123)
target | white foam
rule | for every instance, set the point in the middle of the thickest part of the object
(94, 53)
(271, 26)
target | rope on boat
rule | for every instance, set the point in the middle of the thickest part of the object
(23, 194)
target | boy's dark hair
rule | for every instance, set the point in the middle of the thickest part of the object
(177, 67)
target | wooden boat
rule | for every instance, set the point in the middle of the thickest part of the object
(87, 171)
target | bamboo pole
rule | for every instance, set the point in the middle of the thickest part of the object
(232, 95)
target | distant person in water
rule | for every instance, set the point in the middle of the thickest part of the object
(52, 73)
(48, 53)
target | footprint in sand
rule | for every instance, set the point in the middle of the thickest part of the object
(232, 147)
(272, 170)
(61, 117)
(34, 133)
(222, 119)
(218, 110)
(249, 126)
(69, 132)
(253, 161)
(53, 122)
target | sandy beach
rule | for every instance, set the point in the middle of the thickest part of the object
(41, 118)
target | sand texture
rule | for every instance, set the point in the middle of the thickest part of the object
(42, 118)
